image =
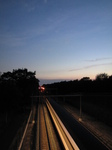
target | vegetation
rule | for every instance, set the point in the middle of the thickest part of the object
(96, 95)
(16, 88)
(102, 83)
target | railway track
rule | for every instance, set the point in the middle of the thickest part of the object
(84, 139)
(56, 129)
(98, 129)
(46, 136)
(51, 133)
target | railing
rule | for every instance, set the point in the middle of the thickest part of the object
(64, 135)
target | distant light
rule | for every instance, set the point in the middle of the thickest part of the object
(41, 88)
(33, 121)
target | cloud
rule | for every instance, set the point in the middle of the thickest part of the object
(33, 5)
(99, 59)
(30, 5)
(45, 1)
(91, 66)
(9, 39)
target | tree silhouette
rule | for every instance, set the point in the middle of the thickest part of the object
(16, 88)
(102, 76)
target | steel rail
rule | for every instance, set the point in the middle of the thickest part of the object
(37, 131)
(43, 137)
(21, 142)
(89, 129)
(53, 140)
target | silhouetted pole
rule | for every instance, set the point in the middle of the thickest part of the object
(6, 117)
(80, 118)
(32, 108)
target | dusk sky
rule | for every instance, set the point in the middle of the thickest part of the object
(59, 39)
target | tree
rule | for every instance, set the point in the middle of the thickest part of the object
(16, 88)
(102, 76)
(85, 79)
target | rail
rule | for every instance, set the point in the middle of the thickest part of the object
(46, 137)
(20, 145)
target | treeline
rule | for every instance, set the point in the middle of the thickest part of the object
(102, 83)
(96, 95)
(16, 87)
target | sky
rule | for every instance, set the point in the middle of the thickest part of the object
(59, 39)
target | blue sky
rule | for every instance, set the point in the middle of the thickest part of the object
(59, 39)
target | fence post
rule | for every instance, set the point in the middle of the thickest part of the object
(80, 118)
